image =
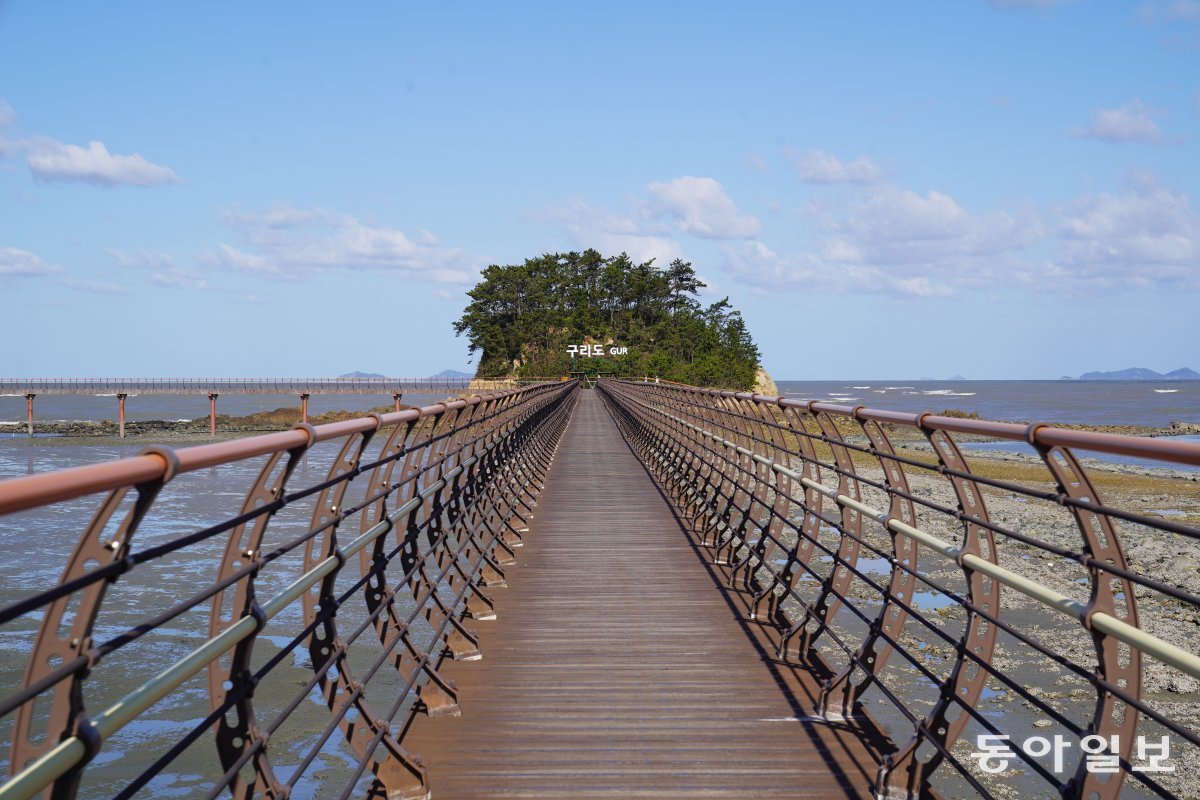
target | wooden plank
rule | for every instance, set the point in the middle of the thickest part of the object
(616, 666)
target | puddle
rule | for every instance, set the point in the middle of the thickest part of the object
(931, 601)
(868, 566)
(874, 566)
(1167, 512)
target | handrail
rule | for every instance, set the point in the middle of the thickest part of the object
(453, 482)
(792, 497)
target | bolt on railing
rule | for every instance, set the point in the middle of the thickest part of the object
(882, 570)
(442, 496)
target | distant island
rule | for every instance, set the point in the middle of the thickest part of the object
(1138, 374)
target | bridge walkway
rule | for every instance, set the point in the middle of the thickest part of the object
(618, 667)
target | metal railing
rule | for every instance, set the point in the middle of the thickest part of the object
(862, 541)
(432, 502)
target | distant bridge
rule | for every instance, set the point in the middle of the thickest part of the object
(203, 386)
(303, 388)
(676, 592)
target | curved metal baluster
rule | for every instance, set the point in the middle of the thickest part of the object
(65, 634)
(766, 600)
(461, 642)
(794, 641)
(237, 732)
(740, 497)
(1117, 663)
(841, 694)
(758, 513)
(820, 614)
(908, 771)
(373, 564)
(397, 774)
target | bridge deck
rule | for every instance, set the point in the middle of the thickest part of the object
(616, 668)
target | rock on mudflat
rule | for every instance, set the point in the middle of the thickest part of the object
(764, 384)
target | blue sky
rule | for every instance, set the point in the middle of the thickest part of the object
(1006, 189)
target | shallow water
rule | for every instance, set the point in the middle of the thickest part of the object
(1111, 458)
(37, 545)
(1079, 402)
(73, 408)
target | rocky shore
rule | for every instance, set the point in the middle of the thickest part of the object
(1166, 493)
(1173, 559)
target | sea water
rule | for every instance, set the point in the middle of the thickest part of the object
(1153, 404)
(37, 543)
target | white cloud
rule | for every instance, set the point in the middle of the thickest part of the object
(689, 205)
(287, 243)
(233, 259)
(893, 241)
(7, 147)
(817, 166)
(16, 263)
(759, 266)
(95, 287)
(275, 217)
(142, 259)
(162, 269)
(52, 160)
(1184, 11)
(699, 206)
(1172, 11)
(55, 161)
(1129, 123)
(755, 162)
(609, 233)
(1147, 237)
(898, 227)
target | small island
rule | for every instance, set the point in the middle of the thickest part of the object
(621, 318)
(1139, 374)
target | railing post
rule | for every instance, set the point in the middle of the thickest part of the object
(29, 413)
(304, 407)
(121, 413)
(396, 396)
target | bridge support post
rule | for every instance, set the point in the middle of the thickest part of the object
(29, 413)
(397, 397)
(212, 415)
(121, 413)
(304, 407)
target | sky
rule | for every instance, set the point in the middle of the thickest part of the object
(1000, 190)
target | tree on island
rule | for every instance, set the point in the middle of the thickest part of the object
(522, 318)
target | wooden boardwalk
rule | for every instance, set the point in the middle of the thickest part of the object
(617, 667)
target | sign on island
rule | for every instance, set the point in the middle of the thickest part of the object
(594, 350)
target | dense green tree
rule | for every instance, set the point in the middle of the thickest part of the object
(522, 318)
